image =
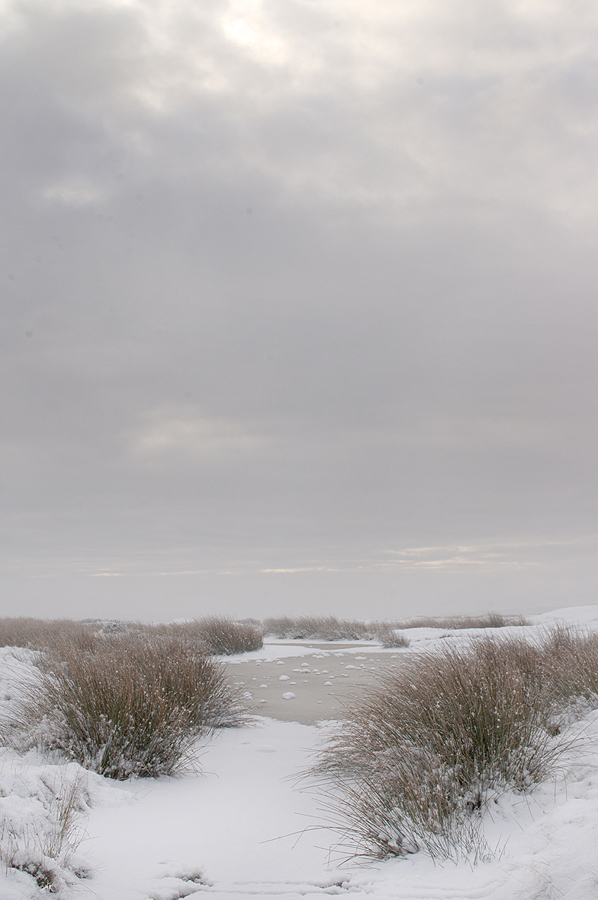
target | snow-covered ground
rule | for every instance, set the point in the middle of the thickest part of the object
(242, 826)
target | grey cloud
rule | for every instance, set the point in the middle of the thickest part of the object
(288, 282)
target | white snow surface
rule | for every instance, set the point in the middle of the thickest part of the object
(244, 826)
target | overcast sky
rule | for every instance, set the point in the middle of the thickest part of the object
(298, 306)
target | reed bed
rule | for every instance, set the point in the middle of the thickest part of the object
(329, 628)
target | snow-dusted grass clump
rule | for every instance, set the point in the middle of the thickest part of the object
(227, 637)
(319, 628)
(425, 749)
(389, 637)
(130, 706)
(216, 634)
(39, 823)
(569, 659)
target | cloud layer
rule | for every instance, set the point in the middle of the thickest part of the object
(294, 288)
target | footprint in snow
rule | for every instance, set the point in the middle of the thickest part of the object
(177, 882)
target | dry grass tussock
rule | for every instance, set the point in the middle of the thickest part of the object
(216, 634)
(130, 706)
(40, 837)
(570, 662)
(320, 628)
(389, 637)
(226, 637)
(424, 750)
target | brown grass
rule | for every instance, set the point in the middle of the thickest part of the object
(215, 634)
(130, 706)
(422, 751)
(226, 637)
(319, 628)
(389, 637)
(48, 634)
(329, 628)
(219, 635)
(456, 623)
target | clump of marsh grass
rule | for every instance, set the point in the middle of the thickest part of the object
(570, 661)
(389, 637)
(422, 751)
(218, 635)
(226, 637)
(40, 838)
(128, 707)
(319, 628)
